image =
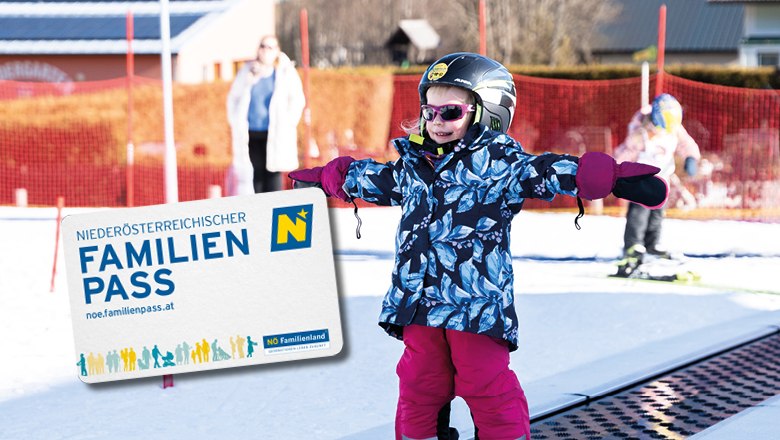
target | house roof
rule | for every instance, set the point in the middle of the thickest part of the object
(145, 27)
(97, 27)
(691, 26)
(419, 32)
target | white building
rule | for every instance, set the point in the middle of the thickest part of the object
(760, 43)
(63, 41)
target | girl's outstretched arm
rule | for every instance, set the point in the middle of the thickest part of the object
(330, 178)
(346, 178)
(592, 176)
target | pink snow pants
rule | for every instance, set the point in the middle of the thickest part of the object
(439, 364)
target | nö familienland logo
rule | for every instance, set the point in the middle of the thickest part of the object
(291, 227)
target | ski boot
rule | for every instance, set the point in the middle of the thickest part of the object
(632, 258)
(659, 253)
(443, 429)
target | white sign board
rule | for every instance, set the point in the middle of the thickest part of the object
(202, 285)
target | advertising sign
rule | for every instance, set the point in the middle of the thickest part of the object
(202, 285)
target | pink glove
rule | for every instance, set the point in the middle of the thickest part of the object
(598, 175)
(330, 177)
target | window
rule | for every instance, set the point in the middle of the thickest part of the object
(768, 59)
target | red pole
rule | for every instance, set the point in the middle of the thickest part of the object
(167, 381)
(130, 65)
(60, 204)
(306, 109)
(659, 82)
(482, 28)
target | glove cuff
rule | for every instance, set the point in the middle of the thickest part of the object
(596, 175)
(333, 176)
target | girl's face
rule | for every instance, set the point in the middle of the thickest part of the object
(439, 130)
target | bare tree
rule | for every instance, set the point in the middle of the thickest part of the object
(354, 32)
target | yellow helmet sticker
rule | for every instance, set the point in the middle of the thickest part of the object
(437, 72)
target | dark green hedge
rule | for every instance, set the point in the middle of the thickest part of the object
(747, 77)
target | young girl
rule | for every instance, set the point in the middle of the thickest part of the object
(460, 180)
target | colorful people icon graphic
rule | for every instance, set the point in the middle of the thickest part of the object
(240, 346)
(250, 346)
(156, 355)
(83, 364)
(168, 360)
(204, 345)
(186, 351)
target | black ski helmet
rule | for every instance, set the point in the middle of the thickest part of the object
(488, 80)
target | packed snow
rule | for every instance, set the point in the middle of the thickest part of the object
(580, 332)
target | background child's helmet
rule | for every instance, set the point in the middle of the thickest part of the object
(666, 113)
(488, 80)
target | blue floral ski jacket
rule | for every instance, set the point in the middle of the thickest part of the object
(453, 267)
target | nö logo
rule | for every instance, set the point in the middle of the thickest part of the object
(291, 228)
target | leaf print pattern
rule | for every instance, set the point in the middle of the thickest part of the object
(453, 268)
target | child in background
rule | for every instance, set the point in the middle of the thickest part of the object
(655, 136)
(459, 181)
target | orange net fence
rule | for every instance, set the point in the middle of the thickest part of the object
(738, 132)
(71, 139)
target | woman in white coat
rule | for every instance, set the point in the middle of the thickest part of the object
(264, 107)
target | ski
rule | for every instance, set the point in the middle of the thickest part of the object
(686, 276)
(693, 280)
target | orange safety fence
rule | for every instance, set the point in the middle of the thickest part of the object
(70, 138)
(737, 129)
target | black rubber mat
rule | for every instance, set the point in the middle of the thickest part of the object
(679, 404)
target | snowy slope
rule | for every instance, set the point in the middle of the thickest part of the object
(579, 332)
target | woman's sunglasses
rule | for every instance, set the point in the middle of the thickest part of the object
(448, 112)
